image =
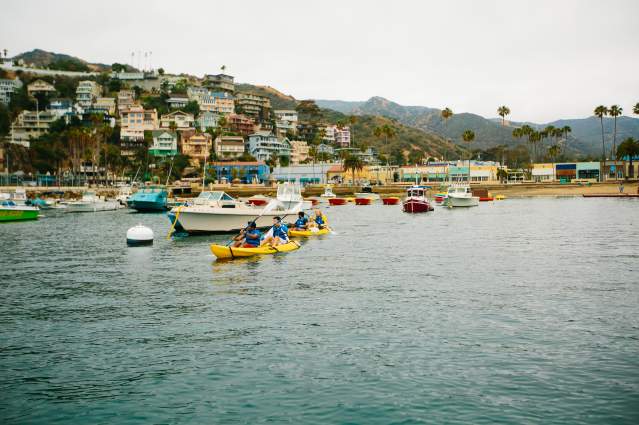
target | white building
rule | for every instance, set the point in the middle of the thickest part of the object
(263, 144)
(87, 93)
(30, 125)
(299, 151)
(229, 146)
(343, 137)
(304, 173)
(164, 143)
(7, 87)
(285, 121)
(181, 119)
(206, 120)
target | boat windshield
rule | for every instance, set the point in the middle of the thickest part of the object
(7, 203)
(415, 192)
(152, 190)
(214, 196)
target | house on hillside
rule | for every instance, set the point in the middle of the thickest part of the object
(197, 146)
(40, 87)
(164, 143)
(229, 146)
(181, 119)
(87, 92)
(263, 145)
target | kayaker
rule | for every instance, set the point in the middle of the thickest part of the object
(249, 237)
(302, 222)
(278, 233)
(319, 219)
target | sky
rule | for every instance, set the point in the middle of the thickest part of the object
(544, 59)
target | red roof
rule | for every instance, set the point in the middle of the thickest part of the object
(336, 169)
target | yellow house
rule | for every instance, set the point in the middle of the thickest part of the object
(380, 174)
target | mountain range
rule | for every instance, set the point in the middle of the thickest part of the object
(585, 138)
(41, 58)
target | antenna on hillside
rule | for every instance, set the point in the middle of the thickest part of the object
(150, 62)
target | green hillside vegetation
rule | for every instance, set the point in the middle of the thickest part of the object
(59, 61)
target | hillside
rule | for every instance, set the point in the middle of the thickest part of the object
(407, 138)
(584, 139)
(42, 58)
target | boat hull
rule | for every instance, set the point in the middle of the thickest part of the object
(337, 201)
(308, 233)
(415, 206)
(92, 206)
(205, 222)
(18, 214)
(363, 201)
(146, 206)
(456, 202)
(390, 201)
(227, 253)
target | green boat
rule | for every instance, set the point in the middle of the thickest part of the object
(9, 211)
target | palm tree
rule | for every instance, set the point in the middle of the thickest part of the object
(614, 111)
(468, 137)
(446, 114)
(566, 129)
(353, 163)
(385, 131)
(352, 120)
(503, 111)
(553, 152)
(628, 148)
(601, 111)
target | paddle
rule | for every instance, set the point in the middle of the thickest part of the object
(269, 207)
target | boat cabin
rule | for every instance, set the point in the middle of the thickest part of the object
(217, 196)
(416, 192)
(458, 190)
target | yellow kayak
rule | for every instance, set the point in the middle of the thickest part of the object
(307, 233)
(223, 251)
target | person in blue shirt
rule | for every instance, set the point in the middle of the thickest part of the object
(320, 219)
(302, 222)
(249, 237)
(278, 234)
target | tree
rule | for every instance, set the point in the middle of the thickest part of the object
(614, 111)
(446, 114)
(468, 137)
(635, 109)
(502, 174)
(192, 108)
(385, 131)
(352, 120)
(114, 85)
(416, 156)
(566, 130)
(161, 71)
(628, 148)
(503, 111)
(553, 152)
(118, 67)
(600, 112)
(353, 163)
(310, 109)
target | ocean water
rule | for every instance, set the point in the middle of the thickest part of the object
(520, 311)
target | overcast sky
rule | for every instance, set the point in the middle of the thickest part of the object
(544, 59)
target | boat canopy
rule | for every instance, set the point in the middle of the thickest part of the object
(415, 191)
(7, 203)
(289, 192)
(215, 196)
(459, 189)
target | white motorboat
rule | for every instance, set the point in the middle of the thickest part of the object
(218, 212)
(90, 202)
(461, 196)
(290, 194)
(19, 197)
(123, 194)
(328, 194)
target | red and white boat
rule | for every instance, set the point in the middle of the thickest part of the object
(416, 200)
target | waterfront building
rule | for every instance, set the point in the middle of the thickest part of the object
(219, 83)
(253, 105)
(206, 120)
(87, 92)
(40, 87)
(177, 100)
(134, 122)
(285, 121)
(588, 171)
(613, 170)
(229, 146)
(240, 124)
(105, 105)
(164, 143)
(299, 151)
(566, 172)
(304, 173)
(126, 99)
(246, 172)
(263, 145)
(30, 125)
(543, 173)
(7, 87)
(181, 119)
(197, 146)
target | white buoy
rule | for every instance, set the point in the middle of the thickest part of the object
(139, 235)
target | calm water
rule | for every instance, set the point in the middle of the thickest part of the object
(522, 311)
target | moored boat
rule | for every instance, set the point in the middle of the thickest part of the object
(416, 200)
(146, 199)
(258, 200)
(228, 252)
(328, 194)
(337, 201)
(461, 196)
(367, 192)
(10, 211)
(363, 201)
(391, 200)
(218, 212)
(486, 198)
(90, 202)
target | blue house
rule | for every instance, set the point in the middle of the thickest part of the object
(247, 172)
